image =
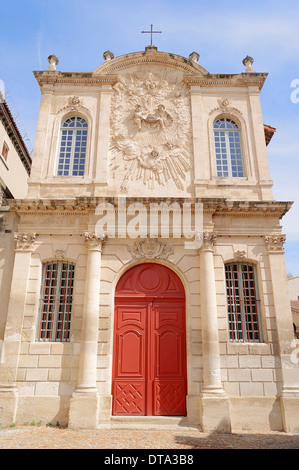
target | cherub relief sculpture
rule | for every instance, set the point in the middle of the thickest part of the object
(151, 167)
(161, 117)
(150, 131)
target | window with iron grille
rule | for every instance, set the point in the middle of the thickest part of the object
(243, 304)
(73, 143)
(229, 158)
(55, 308)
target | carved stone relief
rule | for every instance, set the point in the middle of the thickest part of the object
(59, 254)
(74, 104)
(240, 255)
(150, 130)
(224, 107)
(150, 248)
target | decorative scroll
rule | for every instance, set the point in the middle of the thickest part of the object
(59, 254)
(150, 248)
(240, 255)
(74, 104)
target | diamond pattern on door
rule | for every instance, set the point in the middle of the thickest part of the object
(129, 399)
(169, 399)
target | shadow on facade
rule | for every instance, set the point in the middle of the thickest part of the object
(239, 440)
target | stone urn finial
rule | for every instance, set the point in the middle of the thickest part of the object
(108, 55)
(194, 56)
(53, 61)
(247, 62)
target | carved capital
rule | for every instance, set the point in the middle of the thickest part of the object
(94, 241)
(150, 248)
(24, 241)
(275, 243)
(206, 240)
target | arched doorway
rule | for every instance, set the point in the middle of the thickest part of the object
(149, 352)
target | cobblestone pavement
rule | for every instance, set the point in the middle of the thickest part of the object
(44, 437)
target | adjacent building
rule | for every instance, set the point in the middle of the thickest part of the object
(15, 165)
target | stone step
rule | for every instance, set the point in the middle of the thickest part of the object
(148, 422)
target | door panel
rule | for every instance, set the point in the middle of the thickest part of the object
(149, 355)
(169, 390)
(129, 359)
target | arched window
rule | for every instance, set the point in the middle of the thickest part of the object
(72, 152)
(243, 303)
(56, 300)
(229, 158)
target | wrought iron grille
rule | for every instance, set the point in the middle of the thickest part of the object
(56, 301)
(243, 304)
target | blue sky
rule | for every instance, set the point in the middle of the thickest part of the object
(223, 33)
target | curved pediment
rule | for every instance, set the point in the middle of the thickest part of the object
(149, 57)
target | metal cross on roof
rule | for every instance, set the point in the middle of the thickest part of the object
(151, 32)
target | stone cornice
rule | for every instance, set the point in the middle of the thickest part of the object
(74, 78)
(216, 207)
(224, 80)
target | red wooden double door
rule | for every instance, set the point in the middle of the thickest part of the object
(149, 356)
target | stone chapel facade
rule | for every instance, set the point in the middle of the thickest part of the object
(149, 278)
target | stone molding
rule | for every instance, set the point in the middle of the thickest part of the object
(244, 80)
(74, 78)
(215, 206)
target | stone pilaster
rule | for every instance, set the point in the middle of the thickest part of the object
(84, 404)
(284, 325)
(10, 350)
(101, 167)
